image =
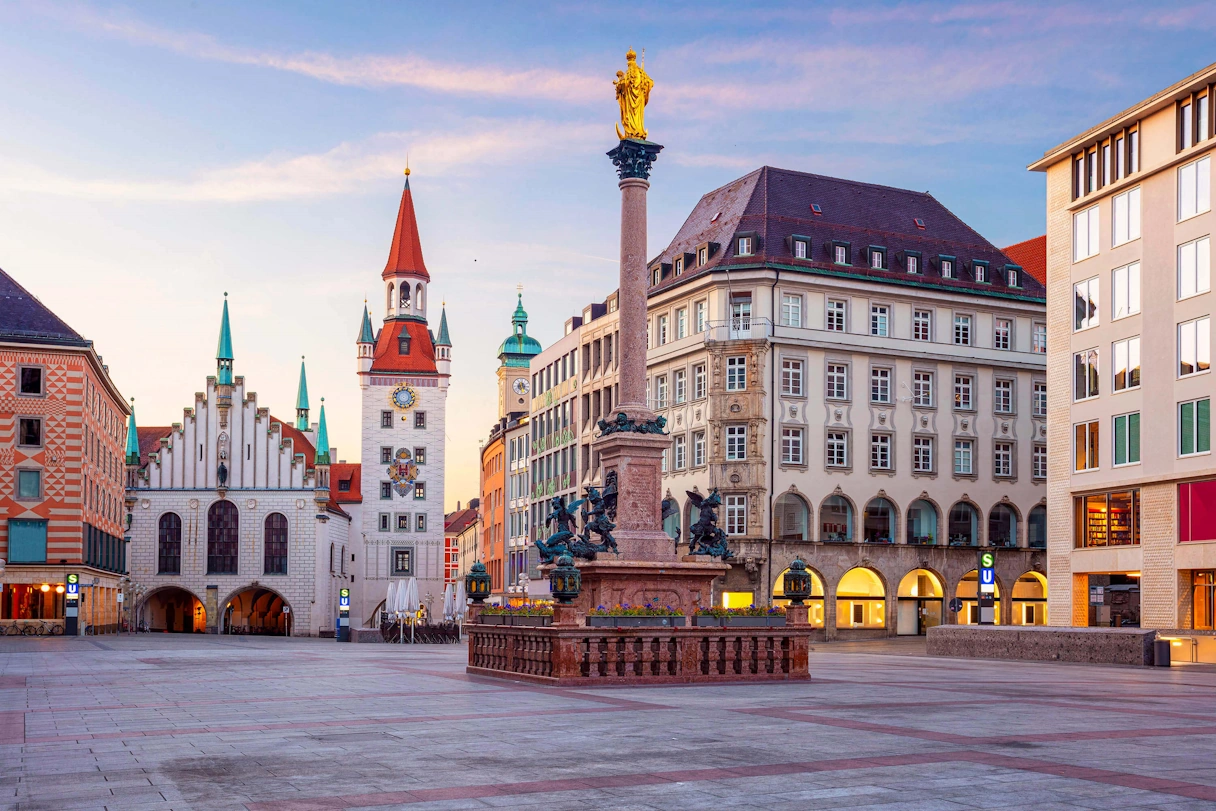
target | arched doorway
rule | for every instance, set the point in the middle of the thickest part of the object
(879, 521)
(1003, 527)
(964, 525)
(258, 611)
(1030, 600)
(836, 520)
(922, 523)
(814, 602)
(861, 600)
(791, 519)
(1036, 528)
(967, 591)
(919, 603)
(173, 610)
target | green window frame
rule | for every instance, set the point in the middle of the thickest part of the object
(1194, 427)
(1127, 439)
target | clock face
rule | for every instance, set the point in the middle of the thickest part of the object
(403, 397)
(520, 385)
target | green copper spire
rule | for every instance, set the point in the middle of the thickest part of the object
(520, 347)
(302, 400)
(366, 335)
(520, 317)
(132, 438)
(223, 353)
(444, 340)
(322, 457)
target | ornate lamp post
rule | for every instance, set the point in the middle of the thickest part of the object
(797, 585)
(477, 583)
(565, 582)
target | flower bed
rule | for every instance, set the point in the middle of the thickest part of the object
(533, 615)
(648, 615)
(750, 617)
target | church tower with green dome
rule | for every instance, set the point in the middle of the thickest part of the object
(514, 355)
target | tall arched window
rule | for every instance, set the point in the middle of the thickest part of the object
(275, 544)
(791, 519)
(922, 523)
(1002, 526)
(963, 527)
(169, 544)
(879, 521)
(1036, 528)
(419, 301)
(836, 520)
(223, 534)
(388, 304)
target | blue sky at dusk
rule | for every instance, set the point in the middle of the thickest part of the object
(155, 155)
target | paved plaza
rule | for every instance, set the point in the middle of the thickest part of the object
(203, 722)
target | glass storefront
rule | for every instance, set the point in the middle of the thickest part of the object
(860, 600)
(1205, 601)
(919, 602)
(1107, 519)
(1030, 600)
(41, 601)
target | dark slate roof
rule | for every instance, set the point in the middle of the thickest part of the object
(776, 205)
(25, 318)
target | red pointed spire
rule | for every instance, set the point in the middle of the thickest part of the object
(405, 256)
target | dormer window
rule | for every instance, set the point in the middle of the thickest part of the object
(947, 266)
(801, 247)
(679, 265)
(655, 275)
(746, 246)
(840, 253)
(912, 262)
(878, 257)
(702, 257)
(980, 269)
(1012, 276)
(403, 344)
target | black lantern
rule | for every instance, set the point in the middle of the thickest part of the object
(477, 583)
(797, 582)
(565, 581)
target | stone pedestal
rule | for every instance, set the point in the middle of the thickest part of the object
(637, 460)
(797, 615)
(687, 586)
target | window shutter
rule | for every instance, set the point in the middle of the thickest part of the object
(1120, 440)
(1186, 416)
(1133, 437)
(1203, 440)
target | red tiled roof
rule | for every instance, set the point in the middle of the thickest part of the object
(405, 255)
(420, 360)
(149, 441)
(1032, 256)
(299, 442)
(346, 472)
(457, 522)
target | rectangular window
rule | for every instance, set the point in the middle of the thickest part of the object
(1039, 462)
(698, 381)
(1125, 291)
(838, 381)
(698, 448)
(386, 490)
(681, 323)
(981, 271)
(1002, 333)
(1085, 446)
(1133, 150)
(420, 456)
(736, 443)
(660, 391)
(1085, 234)
(1194, 347)
(1120, 159)
(1039, 405)
(1002, 396)
(880, 320)
(838, 449)
(1002, 460)
(1127, 364)
(791, 311)
(662, 330)
(1012, 277)
(29, 432)
(1194, 427)
(420, 419)
(922, 454)
(1186, 124)
(31, 380)
(678, 265)
(385, 521)
(836, 315)
(1106, 168)
(386, 419)
(791, 377)
(702, 256)
(947, 267)
(963, 457)
(1127, 439)
(679, 383)
(878, 258)
(29, 484)
(880, 452)
(800, 249)
(1085, 304)
(745, 246)
(962, 393)
(1194, 268)
(386, 456)
(922, 325)
(699, 317)
(1039, 338)
(420, 522)
(1107, 519)
(1201, 117)
(1126, 212)
(962, 330)
(841, 255)
(912, 263)
(1194, 188)
(791, 446)
(880, 385)
(736, 515)
(403, 522)
(1085, 375)
(736, 373)
(922, 389)
(680, 452)
(419, 491)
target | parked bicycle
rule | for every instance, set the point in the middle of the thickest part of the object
(41, 629)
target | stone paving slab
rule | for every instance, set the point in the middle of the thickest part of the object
(248, 724)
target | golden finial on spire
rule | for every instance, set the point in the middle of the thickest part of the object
(407, 164)
(633, 88)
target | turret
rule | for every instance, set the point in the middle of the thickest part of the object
(223, 362)
(132, 455)
(321, 461)
(302, 400)
(443, 344)
(366, 342)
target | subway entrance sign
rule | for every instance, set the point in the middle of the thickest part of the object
(71, 605)
(987, 587)
(343, 629)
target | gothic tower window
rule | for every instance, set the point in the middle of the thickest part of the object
(223, 530)
(388, 305)
(169, 544)
(418, 299)
(275, 544)
(405, 299)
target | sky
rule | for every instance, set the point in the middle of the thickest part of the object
(154, 156)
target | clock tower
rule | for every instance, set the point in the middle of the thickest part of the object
(514, 355)
(404, 369)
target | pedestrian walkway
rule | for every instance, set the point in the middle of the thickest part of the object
(273, 724)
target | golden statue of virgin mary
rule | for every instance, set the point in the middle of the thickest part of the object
(632, 93)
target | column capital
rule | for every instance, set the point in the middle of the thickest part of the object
(633, 158)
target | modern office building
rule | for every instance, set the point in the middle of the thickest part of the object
(862, 377)
(1131, 477)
